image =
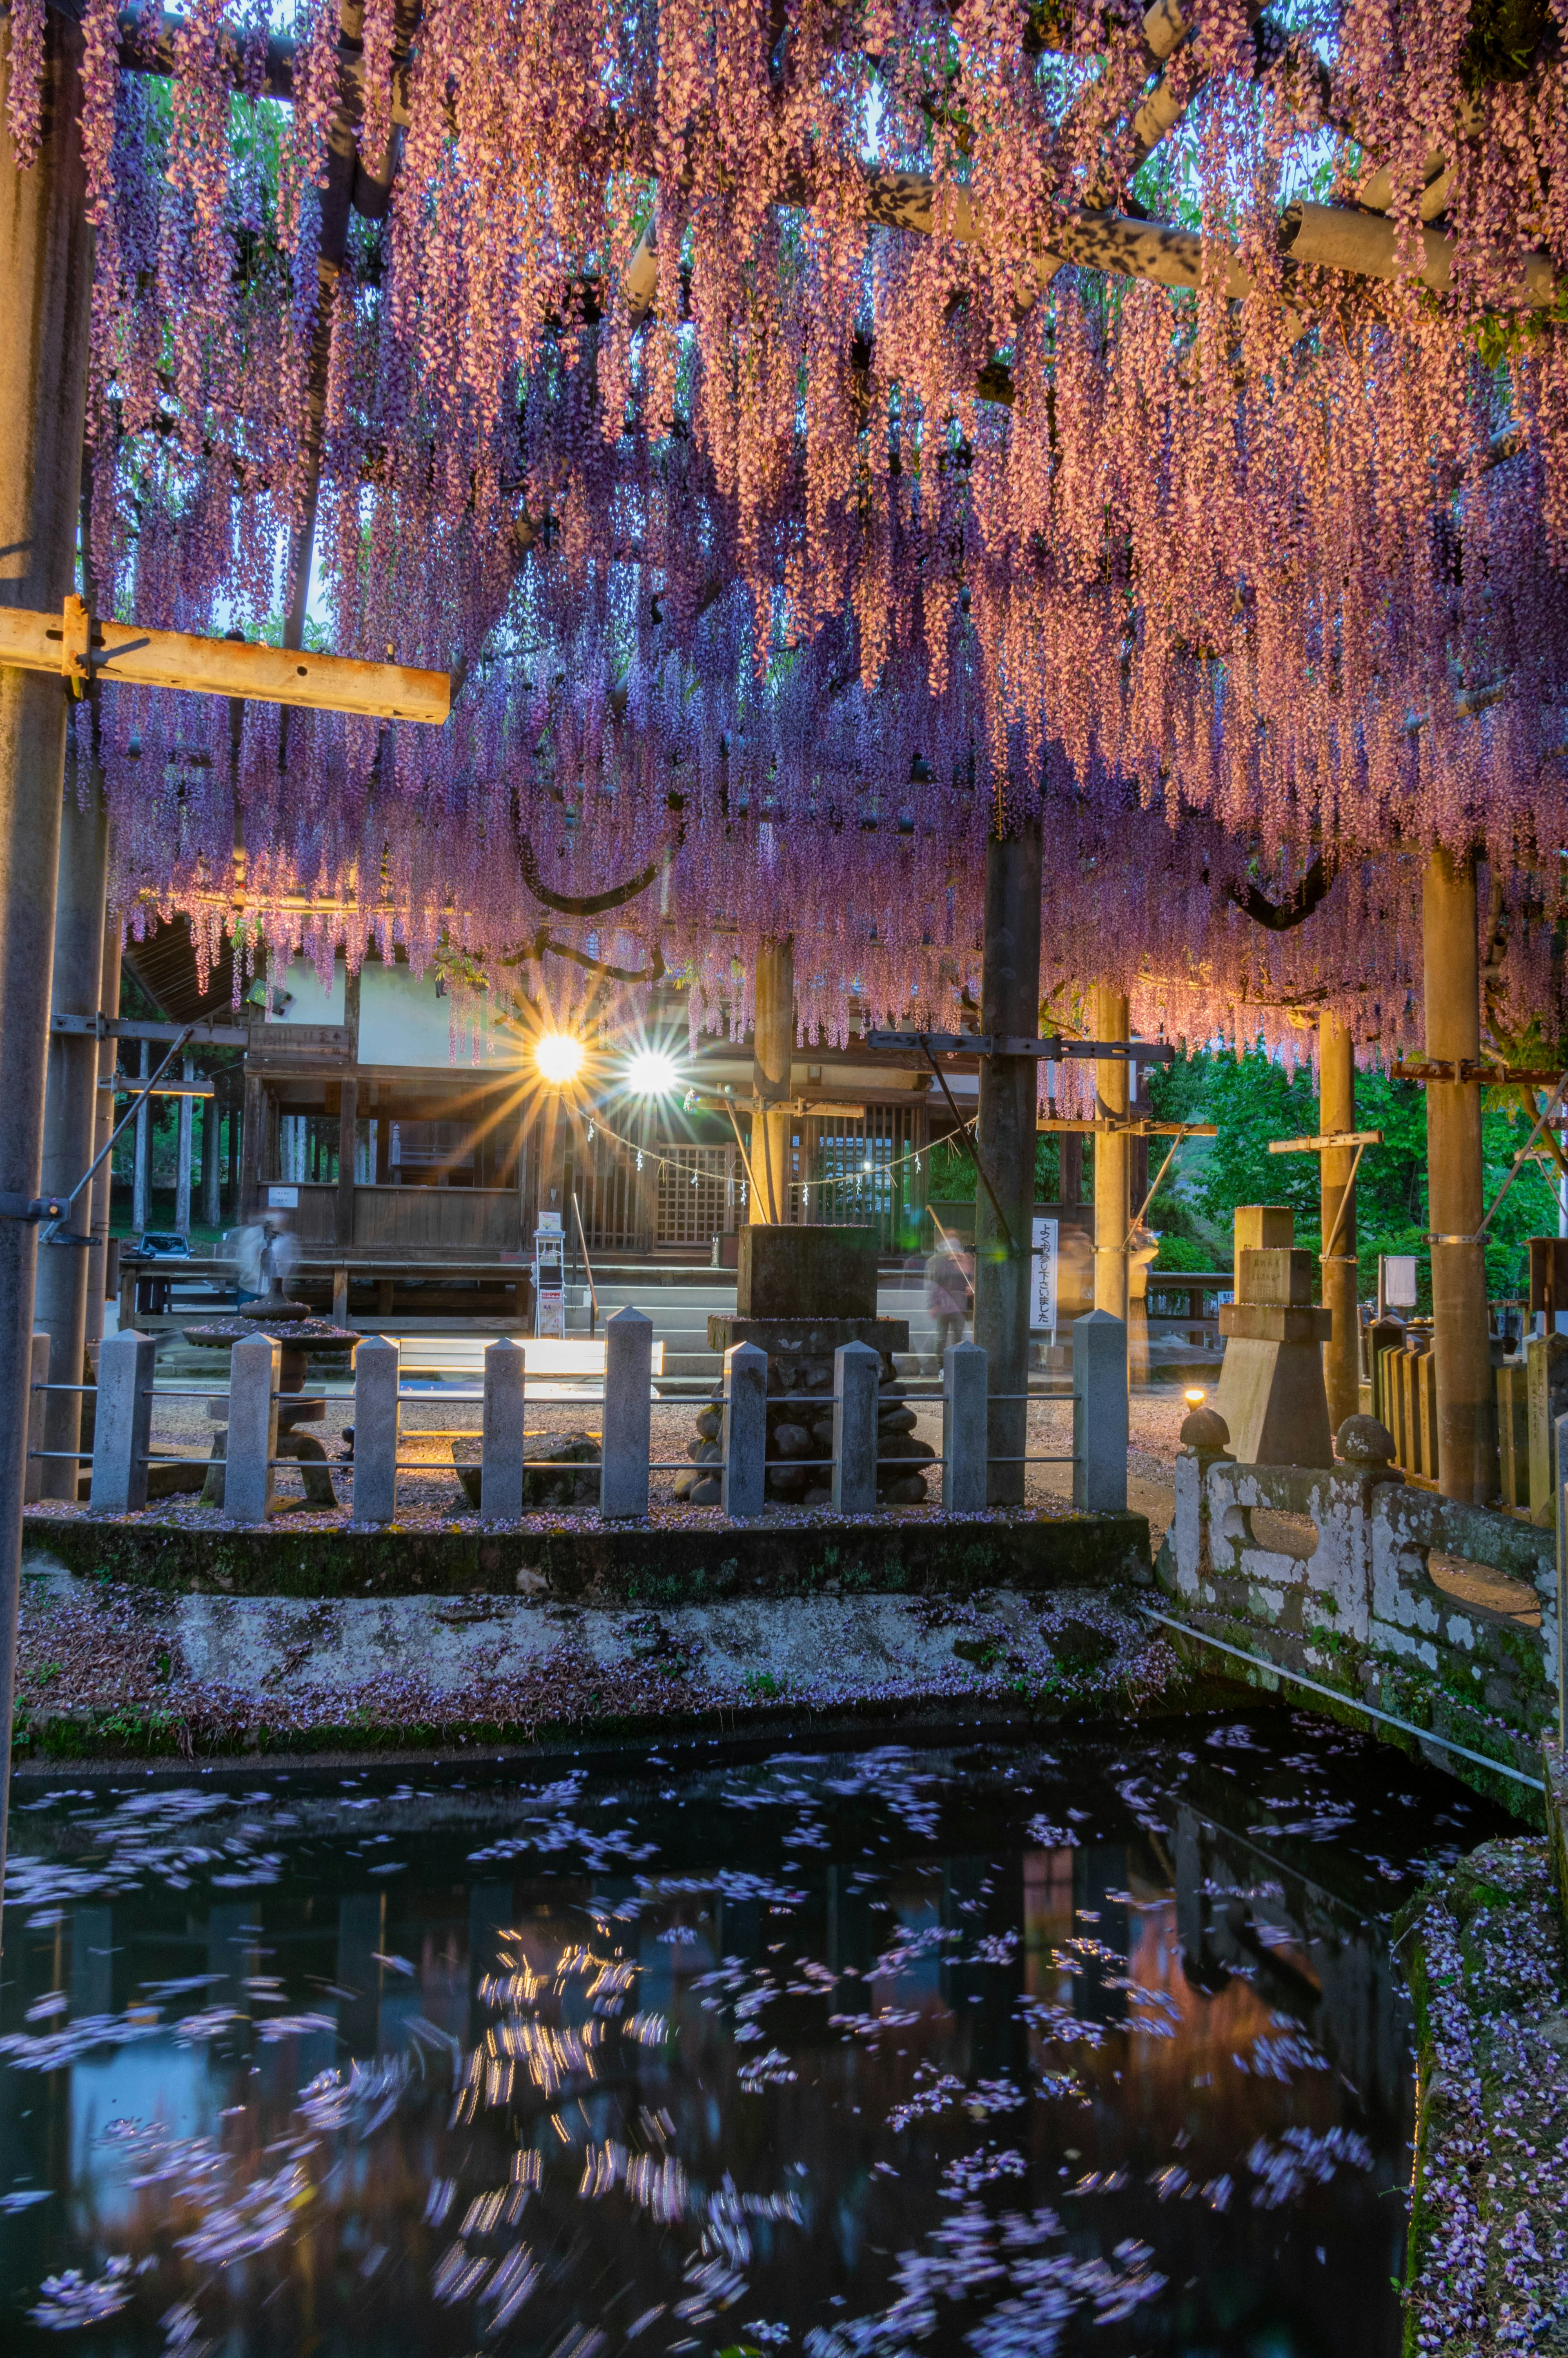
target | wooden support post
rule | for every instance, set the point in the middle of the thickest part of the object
(1070, 1146)
(1336, 1112)
(70, 1122)
(1113, 1213)
(772, 1044)
(1467, 1415)
(186, 1134)
(253, 1148)
(142, 1158)
(211, 1120)
(1004, 1145)
(46, 281)
(348, 1125)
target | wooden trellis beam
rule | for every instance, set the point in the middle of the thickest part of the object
(77, 648)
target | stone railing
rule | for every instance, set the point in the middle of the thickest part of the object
(1434, 1614)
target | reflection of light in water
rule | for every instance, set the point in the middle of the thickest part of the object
(161, 2082)
(682, 2121)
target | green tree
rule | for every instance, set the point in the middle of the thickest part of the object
(1250, 1100)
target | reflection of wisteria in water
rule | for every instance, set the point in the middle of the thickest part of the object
(1002, 2050)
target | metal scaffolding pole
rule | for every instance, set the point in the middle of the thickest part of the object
(70, 1118)
(96, 1257)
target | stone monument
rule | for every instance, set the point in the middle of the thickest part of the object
(1271, 1391)
(799, 1293)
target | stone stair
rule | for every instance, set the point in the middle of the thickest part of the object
(679, 1297)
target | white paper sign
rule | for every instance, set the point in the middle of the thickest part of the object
(1400, 1289)
(283, 1199)
(1042, 1278)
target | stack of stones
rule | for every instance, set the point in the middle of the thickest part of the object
(800, 1375)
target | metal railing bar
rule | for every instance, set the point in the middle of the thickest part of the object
(64, 1388)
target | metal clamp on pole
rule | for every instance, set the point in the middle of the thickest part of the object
(56, 1209)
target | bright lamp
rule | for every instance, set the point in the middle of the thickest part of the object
(559, 1057)
(650, 1074)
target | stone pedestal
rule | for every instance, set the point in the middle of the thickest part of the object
(1271, 1392)
(789, 1272)
(800, 1371)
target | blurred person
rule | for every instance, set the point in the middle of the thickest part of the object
(947, 1293)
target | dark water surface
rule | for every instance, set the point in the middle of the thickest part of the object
(1002, 2050)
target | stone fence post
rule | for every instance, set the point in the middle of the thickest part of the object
(123, 1424)
(378, 1366)
(744, 1443)
(254, 1370)
(502, 1447)
(628, 1412)
(1099, 1414)
(855, 1372)
(964, 1382)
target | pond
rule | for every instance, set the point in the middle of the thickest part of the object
(1010, 2048)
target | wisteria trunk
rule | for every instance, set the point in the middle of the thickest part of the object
(1010, 1004)
(46, 276)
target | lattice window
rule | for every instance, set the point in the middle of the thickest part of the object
(700, 1193)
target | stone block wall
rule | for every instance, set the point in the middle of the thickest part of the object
(1329, 1573)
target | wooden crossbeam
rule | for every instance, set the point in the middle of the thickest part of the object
(1472, 1068)
(80, 649)
(1090, 1128)
(825, 1108)
(1330, 1138)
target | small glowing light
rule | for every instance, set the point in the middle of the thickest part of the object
(1196, 1397)
(866, 1167)
(650, 1073)
(559, 1057)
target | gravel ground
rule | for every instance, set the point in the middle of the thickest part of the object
(430, 1425)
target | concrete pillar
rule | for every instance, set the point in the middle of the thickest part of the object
(142, 1167)
(502, 1448)
(1113, 1211)
(1010, 1006)
(182, 1152)
(254, 1370)
(743, 1444)
(70, 1117)
(855, 1372)
(628, 1412)
(377, 1371)
(963, 1441)
(37, 1414)
(1466, 1412)
(1099, 1413)
(773, 1043)
(102, 1186)
(46, 283)
(1337, 1110)
(122, 1424)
